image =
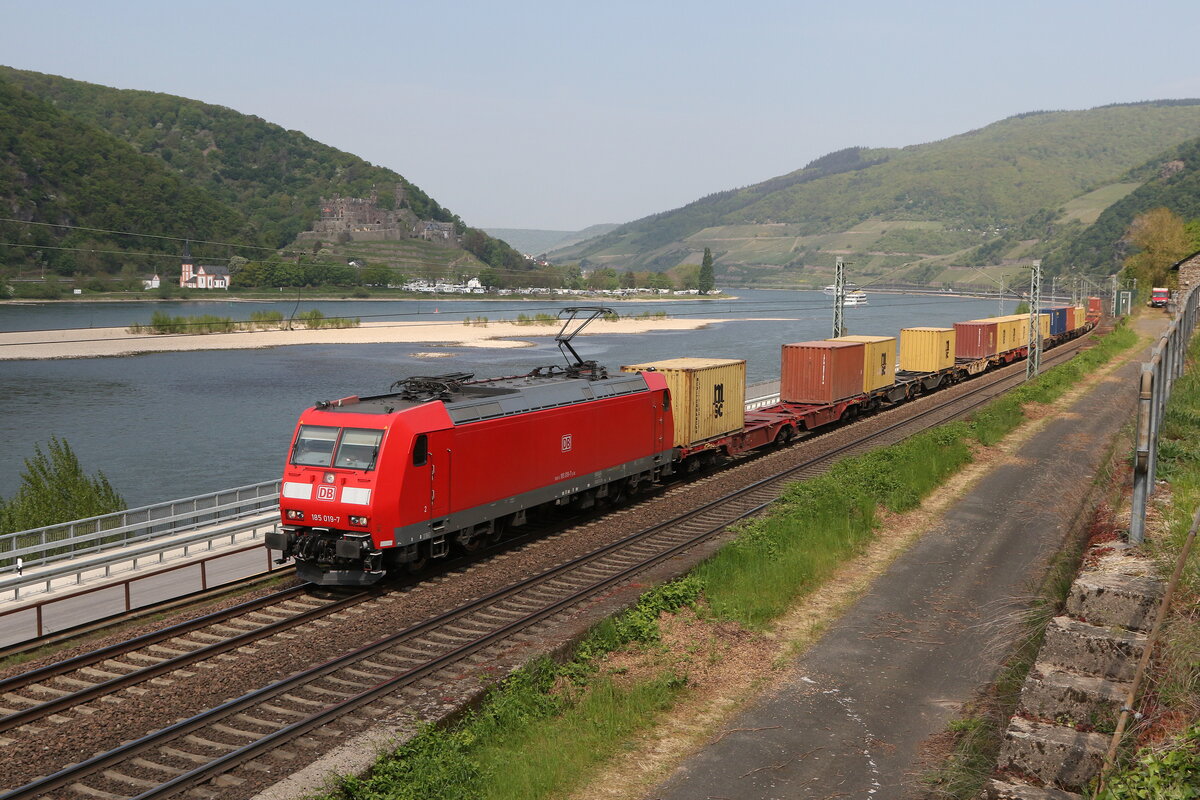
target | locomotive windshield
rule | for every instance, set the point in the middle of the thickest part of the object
(356, 448)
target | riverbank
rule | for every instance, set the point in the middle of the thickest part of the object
(203, 296)
(107, 342)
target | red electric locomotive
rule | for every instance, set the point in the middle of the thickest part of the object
(374, 483)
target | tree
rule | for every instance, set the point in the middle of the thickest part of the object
(660, 280)
(604, 278)
(55, 489)
(705, 282)
(1162, 240)
(1193, 232)
(687, 276)
(378, 275)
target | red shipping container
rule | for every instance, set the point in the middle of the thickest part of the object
(975, 339)
(1095, 308)
(821, 372)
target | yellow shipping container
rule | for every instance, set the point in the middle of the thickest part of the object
(926, 349)
(879, 359)
(708, 395)
(1044, 321)
(1080, 317)
(1012, 331)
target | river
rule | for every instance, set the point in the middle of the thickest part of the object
(170, 425)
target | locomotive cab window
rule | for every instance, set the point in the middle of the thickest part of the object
(666, 401)
(314, 446)
(358, 448)
(420, 450)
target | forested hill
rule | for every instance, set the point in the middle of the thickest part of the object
(57, 169)
(271, 176)
(1171, 180)
(914, 202)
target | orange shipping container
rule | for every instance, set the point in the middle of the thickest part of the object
(708, 395)
(821, 372)
(926, 349)
(975, 338)
(879, 360)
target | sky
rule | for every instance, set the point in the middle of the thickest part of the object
(559, 115)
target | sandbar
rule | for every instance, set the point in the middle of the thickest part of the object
(107, 342)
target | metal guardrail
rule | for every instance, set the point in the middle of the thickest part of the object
(122, 528)
(1166, 363)
(137, 556)
(762, 402)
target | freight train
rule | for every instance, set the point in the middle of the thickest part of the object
(381, 484)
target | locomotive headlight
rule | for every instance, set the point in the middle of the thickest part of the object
(329, 477)
(292, 513)
(359, 521)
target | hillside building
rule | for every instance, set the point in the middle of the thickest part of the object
(202, 276)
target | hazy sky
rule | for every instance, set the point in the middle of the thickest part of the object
(561, 114)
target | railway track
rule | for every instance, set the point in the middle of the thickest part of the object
(266, 729)
(78, 680)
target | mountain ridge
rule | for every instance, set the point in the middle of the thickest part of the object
(272, 176)
(892, 206)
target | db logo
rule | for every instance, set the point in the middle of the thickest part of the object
(566, 442)
(326, 492)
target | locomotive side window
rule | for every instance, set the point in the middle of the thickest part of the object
(314, 446)
(358, 448)
(420, 450)
(666, 401)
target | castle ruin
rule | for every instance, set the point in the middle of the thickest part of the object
(361, 219)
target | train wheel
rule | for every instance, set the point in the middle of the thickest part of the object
(472, 540)
(785, 435)
(422, 559)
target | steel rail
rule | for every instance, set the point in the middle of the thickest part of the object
(146, 639)
(26, 715)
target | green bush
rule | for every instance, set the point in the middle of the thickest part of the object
(1170, 773)
(54, 488)
(266, 319)
(50, 289)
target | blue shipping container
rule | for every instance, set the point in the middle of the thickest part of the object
(1058, 319)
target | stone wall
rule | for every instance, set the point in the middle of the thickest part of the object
(1189, 272)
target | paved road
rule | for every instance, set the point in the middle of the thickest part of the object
(852, 717)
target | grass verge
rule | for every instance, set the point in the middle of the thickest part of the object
(539, 733)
